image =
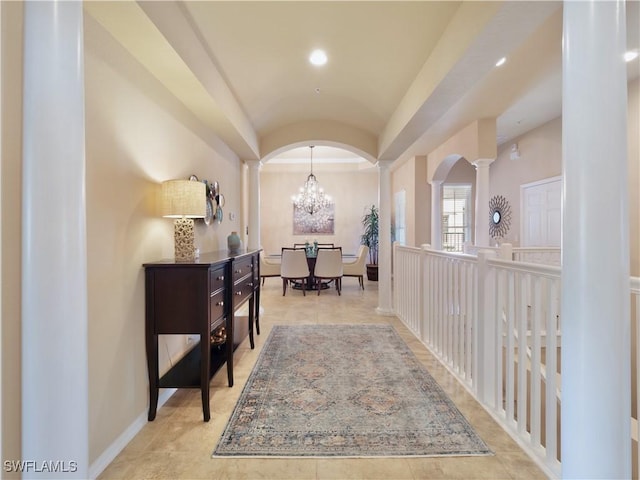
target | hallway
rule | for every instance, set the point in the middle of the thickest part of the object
(178, 444)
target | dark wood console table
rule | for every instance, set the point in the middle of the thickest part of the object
(198, 297)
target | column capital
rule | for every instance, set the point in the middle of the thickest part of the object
(483, 162)
(436, 182)
(253, 163)
(384, 164)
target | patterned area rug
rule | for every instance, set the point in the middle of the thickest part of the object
(344, 390)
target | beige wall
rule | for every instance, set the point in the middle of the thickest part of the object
(352, 190)
(137, 136)
(633, 140)
(540, 158)
(411, 177)
(11, 163)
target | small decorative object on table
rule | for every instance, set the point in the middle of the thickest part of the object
(234, 243)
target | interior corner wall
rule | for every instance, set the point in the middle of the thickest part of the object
(10, 213)
(137, 135)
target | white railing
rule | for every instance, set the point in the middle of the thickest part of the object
(449, 312)
(527, 339)
(496, 325)
(543, 255)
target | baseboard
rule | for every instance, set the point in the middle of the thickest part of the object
(103, 461)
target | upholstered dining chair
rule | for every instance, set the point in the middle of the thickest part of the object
(268, 268)
(329, 267)
(357, 267)
(294, 267)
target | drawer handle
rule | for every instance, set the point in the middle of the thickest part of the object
(239, 293)
(221, 277)
(238, 271)
(219, 304)
(250, 284)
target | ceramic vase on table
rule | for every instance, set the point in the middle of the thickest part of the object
(234, 243)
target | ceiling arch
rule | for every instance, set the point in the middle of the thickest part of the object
(320, 132)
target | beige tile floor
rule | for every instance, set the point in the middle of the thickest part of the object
(178, 444)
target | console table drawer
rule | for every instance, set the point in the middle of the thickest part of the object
(242, 267)
(216, 306)
(216, 279)
(242, 289)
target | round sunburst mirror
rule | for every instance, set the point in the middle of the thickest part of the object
(499, 217)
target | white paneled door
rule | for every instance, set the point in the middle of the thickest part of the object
(541, 202)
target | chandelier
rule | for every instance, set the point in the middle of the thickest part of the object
(311, 197)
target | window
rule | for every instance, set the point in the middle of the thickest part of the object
(400, 227)
(456, 230)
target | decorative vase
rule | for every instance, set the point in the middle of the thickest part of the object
(234, 243)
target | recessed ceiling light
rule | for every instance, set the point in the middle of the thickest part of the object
(501, 62)
(630, 55)
(318, 57)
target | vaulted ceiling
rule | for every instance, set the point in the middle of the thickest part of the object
(401, 77)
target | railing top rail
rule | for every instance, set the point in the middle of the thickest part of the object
(452, 255)
(552, 271)
(536, 249)
(635, 285)
(407, 248)
(438, 253)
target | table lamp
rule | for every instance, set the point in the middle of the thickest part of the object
(183, 200)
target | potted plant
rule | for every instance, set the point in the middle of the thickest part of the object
(370, 239)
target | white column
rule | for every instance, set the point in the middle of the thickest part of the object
(385, 303)
(482, 201)
(436, 214)
(55, 423)
(596, 390)
(254, 204)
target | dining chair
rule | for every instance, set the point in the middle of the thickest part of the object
(299, 245)
(357, 267)
(294, 267)
(268, 268)
(329, 267)
(326, 245)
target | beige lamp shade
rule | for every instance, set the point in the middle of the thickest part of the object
(183, 198)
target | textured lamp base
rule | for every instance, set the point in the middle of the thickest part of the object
(184, 239)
